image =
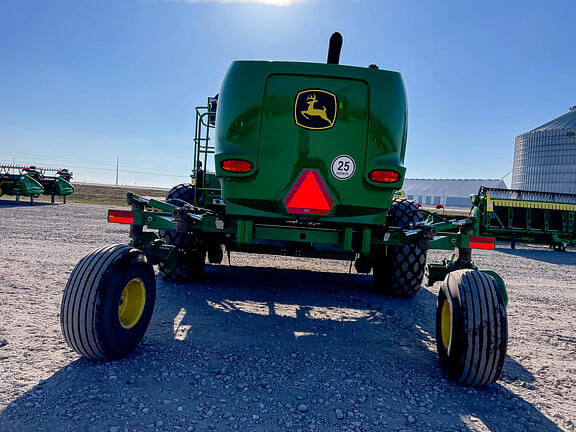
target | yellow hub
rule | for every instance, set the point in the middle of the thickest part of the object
(132, 303)
(446, 323)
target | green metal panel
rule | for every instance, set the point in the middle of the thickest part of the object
(347, 239)
(366, 241)
(297, 235)
(284, 155)
(257, 121)
(29, 186)
(154, 220)
(245, 231)
(63, 187)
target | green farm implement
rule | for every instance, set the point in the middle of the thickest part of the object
(307, 159)
(33, 181)
(17, 181)
(516, 215)
(57, 184)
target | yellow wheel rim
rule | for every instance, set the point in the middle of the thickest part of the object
(446, 323)
(132, 303)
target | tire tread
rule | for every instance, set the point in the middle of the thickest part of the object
(80, 297)
(484, 332)
(399, 273)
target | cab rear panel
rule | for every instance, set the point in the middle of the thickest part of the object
(350, 122)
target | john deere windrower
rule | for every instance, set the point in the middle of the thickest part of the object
(307, 159)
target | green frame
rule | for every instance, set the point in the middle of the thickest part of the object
(244, 234)
(515, 215)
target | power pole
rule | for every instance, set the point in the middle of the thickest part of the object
(117, 163)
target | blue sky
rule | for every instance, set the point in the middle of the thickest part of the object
(83, 82)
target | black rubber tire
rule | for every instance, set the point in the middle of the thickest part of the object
(183, 192)
(472, 336)
(398, 270)
(89, 314)
(215, 254)
(191, 258)
(560, 247)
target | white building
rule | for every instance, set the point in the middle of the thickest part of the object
(448, 192)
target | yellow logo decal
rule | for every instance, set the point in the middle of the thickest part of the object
(315, 109)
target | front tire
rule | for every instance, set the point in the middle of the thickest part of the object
(108, 302)
(398, 270)
(471, 328)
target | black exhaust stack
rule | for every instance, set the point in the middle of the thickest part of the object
(334, 48)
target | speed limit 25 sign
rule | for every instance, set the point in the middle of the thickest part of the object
(343, 167)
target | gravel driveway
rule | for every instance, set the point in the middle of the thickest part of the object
(272, 344)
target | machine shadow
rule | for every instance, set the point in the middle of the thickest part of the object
(23, 203)
(237, 317)
(543, 254)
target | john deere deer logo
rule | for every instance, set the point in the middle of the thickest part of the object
(315, 109)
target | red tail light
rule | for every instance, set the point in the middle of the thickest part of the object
(481, 243)
(121, 216)
(236, 166)
(384, 176)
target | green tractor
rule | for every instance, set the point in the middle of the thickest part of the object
(307, 158)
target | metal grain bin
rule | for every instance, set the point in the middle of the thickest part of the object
(545, 157)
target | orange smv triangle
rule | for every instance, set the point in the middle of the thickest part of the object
(309, 195)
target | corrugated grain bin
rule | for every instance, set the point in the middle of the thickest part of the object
(545, 157)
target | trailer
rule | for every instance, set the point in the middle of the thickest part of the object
(57, 184)
(33, 181)
(307, 158)
(518, 215)
(16, 181)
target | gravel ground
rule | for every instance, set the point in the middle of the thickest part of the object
(272, 344)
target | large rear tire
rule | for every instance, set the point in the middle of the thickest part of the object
(190, 261)
(471, 328)
(184, 192)
(398, 270)
(108, 302)
(191, 253)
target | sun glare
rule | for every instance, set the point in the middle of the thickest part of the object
(292, 310)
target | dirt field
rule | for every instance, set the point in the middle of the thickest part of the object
(86, 193)
(272, 344)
